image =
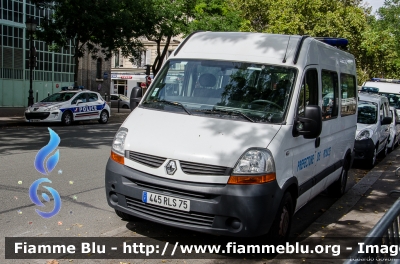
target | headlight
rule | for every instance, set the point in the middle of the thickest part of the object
(254, 166)
(364, 134)
(27, 110)
(118, 145)
(52, 108)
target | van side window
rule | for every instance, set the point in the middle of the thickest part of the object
(348, 92)
(330, 94)
(309, 91)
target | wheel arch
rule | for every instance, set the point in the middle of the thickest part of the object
(292, 186)
(68, 111)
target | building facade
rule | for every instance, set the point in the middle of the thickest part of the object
(125, 75)
(53, 69)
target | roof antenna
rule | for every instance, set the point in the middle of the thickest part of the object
(284, 58)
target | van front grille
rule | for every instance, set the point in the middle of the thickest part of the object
(171, 215)
(203, 169)
(145, 159)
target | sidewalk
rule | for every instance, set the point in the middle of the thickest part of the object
(14, 116)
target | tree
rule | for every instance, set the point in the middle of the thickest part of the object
(173, 18)
(214, 15)
(94, 26)
(317, 18)
(168, 19)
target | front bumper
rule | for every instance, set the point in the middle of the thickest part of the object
(53, 116)
(215, 208)
(364, 149)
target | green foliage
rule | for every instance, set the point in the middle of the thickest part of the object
(214, 15)
(93, 26)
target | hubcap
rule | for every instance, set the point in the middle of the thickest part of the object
(284, 224)
(104, 116)
(67, 119)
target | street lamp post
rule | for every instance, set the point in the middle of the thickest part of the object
(31, 28)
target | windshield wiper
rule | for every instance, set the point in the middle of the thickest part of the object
(170, 103)
(217, 111)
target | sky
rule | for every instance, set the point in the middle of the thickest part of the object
(375, 4)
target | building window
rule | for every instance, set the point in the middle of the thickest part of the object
(99, 66)
(116, 59)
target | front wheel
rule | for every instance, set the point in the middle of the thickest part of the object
(384, 151)
(393, 144)
(66, 118)
(280, 228)
(103, 117)
(372, 160)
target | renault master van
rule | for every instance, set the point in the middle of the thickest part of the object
(242, 140)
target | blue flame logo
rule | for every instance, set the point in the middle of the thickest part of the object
(45, 151)
(35, 199)
(40, 162)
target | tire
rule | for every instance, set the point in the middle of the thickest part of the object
(384, 151)
(393, 144)
(125, 216)
(338, 187)
(280, 228)
(67, 118)
(103, 117)
(125, 107)
(372, 160)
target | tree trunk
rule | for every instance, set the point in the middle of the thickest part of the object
(160, 56)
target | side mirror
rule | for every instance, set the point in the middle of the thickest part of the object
(136, 96)
(79, 102)
(386, 120)
(309, 125)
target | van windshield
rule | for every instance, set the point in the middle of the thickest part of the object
(223, 89)
(394, 99)
(367, 112)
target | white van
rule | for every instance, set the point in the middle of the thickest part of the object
(373, 120)
(386, 87)
(242, 140)
(394, 129)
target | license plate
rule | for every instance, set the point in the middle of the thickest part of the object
(34, 120)
(166, 201)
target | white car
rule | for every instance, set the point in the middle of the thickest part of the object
(68, 106)
(373, 123)
(394, 129)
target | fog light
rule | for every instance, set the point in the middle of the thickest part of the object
(114, 198)
(233, 223)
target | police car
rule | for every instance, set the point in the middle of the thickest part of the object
(68, 106)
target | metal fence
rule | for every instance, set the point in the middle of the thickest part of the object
(384, 235)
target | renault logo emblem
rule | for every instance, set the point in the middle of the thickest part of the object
(170, 167)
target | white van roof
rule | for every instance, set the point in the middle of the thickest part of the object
(262, 48)
(376, 98)
(384, 87)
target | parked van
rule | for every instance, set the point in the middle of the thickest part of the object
(394, 129)
(386, 87)
(373, 120)
(242, 140)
